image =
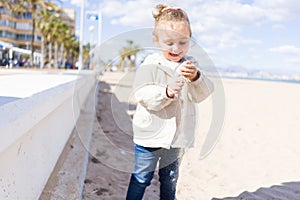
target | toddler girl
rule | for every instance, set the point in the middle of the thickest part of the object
(167, 87)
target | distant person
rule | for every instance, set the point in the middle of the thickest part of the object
(167, 87)
(15, 62)
(67, 65)
(59, 64)
(27, 63)
(23, 62)
(77, 65)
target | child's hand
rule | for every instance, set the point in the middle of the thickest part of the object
(174, 88)
(189, 70)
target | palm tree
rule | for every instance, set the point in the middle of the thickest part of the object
(65, 32)
(34, 7)
(9, 4)
(129, 53)
(86, 53)
(72, 48)
(59, 30)
(54, 31)
(68, 44)
(44, 26)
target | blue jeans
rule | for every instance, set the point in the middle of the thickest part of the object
(145, 163)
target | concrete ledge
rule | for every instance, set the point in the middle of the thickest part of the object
(67, 179)
(34, 130)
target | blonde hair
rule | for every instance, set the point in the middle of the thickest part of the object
(167, 13)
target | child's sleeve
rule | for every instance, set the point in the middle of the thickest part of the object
(149, 94)
(200, 89)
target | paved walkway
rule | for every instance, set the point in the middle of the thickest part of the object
(112, 159)
(17, 84)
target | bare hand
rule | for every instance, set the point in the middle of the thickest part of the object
(189, 70)
(174, 88)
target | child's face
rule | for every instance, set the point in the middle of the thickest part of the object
(173, 39)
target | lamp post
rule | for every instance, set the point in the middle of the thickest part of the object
(99, 28)
(91, 29)
(80, 59)
(96, 16)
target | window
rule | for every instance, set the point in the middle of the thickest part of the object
(8, 34)
(25, 37)
(2, 22)
(11, 24)
(4, 11)
(38, 38)
(27, 15)
(23, 26)
(6, 22)
(17, 15)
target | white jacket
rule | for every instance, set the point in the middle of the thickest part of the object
(160, 121)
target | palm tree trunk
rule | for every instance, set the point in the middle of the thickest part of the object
(50, 54)
(42, 52)
(55, 54)
(32, 41)
(64, 60)
(62, 48)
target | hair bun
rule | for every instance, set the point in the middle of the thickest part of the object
(156, 12)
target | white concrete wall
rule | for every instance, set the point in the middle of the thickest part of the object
(33, 133)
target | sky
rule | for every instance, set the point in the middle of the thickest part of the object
(250, 34)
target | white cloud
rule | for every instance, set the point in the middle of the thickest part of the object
(75, 2)
(130, 13)
(78, 3)
(77, 32)
(113, 8)
(294, 60)
(285, 49)
(280, 10)
(207, 16)
(231, 39)
(210, 15)
(278, 27)
(227, 40)
(214, 15)
(229, 26)
(218, 22)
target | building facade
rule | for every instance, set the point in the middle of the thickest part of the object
(15, 30)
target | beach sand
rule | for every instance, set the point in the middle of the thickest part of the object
(256, 156)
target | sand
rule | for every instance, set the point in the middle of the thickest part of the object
(256, 156)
